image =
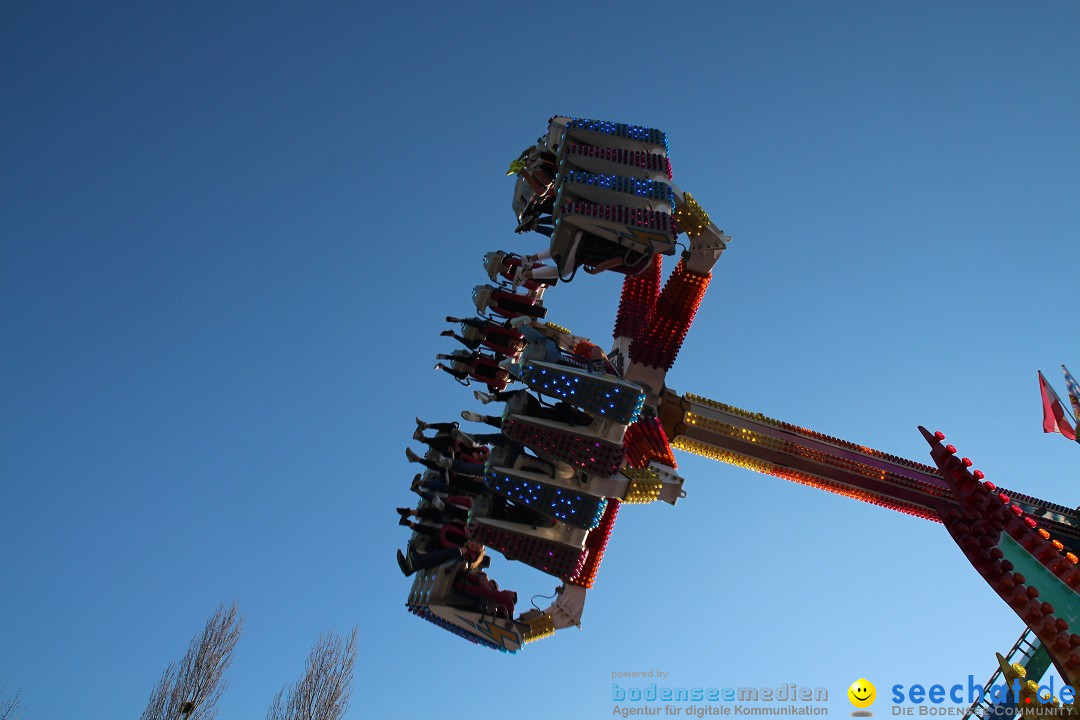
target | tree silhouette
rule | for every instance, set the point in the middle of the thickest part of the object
(10, 709)
(324, 690)
(190, 689)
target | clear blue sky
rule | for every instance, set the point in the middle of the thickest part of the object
(230, 233)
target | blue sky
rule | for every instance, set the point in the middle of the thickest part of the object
(230, 233)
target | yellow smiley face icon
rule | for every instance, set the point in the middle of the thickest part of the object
(862, 693)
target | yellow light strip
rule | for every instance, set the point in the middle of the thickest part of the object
(758, 417)
(540, 627)
(558, 328)
(819, 456)
(645, 485)
(767, 468)
(692, 218)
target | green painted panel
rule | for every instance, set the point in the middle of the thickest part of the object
(1065, 600)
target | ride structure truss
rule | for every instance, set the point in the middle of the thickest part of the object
(603, 193)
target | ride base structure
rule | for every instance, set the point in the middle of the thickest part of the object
(589, 431)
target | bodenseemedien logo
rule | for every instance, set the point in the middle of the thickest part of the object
(786, 700)
(862, 695)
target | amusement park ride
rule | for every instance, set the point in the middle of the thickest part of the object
(589, 432)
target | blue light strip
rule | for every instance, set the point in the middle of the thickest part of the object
(577, 509)
(606, 396)
(653, 189)
(630, 132)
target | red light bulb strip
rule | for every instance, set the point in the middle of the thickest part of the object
(638, 297)
(595, 545)
(646, 441)
(978, 528)
(659, 339)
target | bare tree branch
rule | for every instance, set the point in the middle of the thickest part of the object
(10, 709)
(190, 689)
(323, 692)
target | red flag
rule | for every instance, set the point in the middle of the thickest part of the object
(1053, 411)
